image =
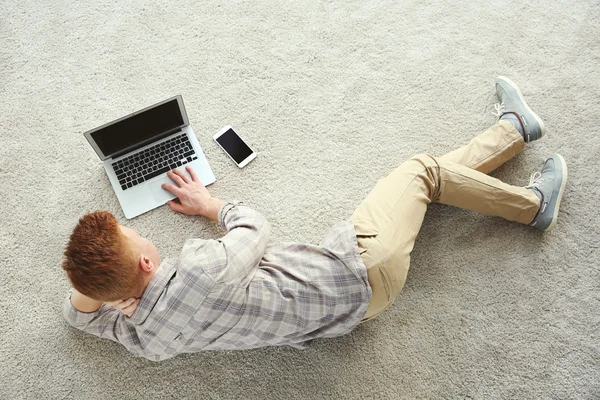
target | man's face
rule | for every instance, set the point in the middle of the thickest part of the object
(144, 246)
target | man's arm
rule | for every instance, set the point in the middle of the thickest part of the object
(85, 304)
(104, 322)
(248, 233)
(92, 321)
(108, 323)
(234, 258)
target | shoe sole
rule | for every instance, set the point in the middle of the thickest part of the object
(538, 119)
(560, 193)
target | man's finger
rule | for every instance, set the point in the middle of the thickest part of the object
(192, 173)
(126, 305)
(175, 177)
(113, 303)
(122, 304)
(182, 175)
(130, 308)
(171, 188)
(175, 206)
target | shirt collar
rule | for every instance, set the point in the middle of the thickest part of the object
(153, 291)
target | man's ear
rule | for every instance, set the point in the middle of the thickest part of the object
(145, 263)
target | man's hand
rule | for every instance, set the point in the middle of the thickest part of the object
(127, 307)
(193, 195)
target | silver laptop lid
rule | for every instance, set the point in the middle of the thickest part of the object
(138, 129)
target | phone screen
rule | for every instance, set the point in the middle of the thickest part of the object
(234, 145)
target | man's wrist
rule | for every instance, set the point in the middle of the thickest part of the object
(212, 208)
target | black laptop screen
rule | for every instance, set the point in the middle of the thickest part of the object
(138, 128)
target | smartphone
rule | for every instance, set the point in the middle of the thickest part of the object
(234, 146)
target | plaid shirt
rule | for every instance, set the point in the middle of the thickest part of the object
(240, 292)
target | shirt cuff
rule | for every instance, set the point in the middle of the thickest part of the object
(224, 210)
(76, 317)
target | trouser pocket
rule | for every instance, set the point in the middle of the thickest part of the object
(366, 232)
(386, 283)
(382, 292)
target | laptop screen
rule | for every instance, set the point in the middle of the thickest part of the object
(138, 128)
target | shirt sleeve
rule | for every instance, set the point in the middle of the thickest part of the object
(103, 322)
(247, 236)
(248, 233)
(234, 258)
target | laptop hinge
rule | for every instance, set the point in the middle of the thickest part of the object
(146, 142)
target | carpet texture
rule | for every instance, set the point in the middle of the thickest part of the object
(333, 95)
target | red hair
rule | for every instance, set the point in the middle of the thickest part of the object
(100, 260)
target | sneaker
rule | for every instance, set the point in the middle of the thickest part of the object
(511, 101)
(549, 185)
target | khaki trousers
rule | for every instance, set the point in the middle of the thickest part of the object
(388, 220)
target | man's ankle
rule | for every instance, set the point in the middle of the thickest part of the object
(515, 121)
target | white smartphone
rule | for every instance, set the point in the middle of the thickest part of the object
(234, 146)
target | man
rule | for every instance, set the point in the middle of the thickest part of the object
(242, 292)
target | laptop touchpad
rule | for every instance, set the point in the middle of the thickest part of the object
(161, 195)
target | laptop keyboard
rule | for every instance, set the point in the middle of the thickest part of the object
(153, 161)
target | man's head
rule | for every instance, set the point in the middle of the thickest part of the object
(107, 261)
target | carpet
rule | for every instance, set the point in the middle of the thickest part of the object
(333, 96)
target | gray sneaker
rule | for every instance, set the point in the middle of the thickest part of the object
(549, 185)
(511, 101)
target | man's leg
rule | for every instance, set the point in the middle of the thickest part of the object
(489, 150)
(388, 221)
(518, 125)
(390, 215)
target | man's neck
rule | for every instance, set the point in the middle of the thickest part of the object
(147, 282)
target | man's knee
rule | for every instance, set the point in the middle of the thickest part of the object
(425, 160)
(425, 167)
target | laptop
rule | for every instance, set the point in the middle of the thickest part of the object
(138, 150)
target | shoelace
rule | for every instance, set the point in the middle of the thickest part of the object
(535, 180)
(499, 107)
